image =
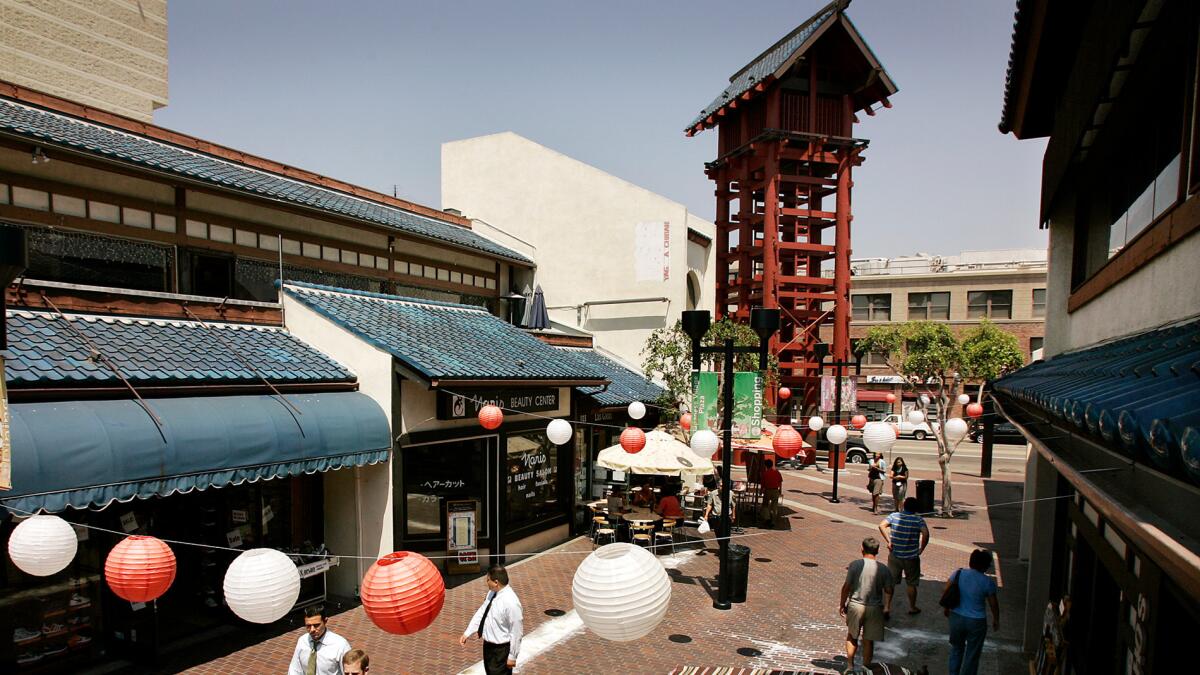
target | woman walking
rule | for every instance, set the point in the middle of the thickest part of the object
(899, 477)
(968, 618)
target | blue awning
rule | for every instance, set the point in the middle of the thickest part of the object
(91, 453)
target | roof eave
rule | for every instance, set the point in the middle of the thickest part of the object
(443, 382)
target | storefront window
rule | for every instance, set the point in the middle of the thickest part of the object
(532, 479)
(437, 472)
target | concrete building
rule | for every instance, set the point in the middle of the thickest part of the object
(1109, 526)
(110, 55)
(1008, 287)
(614, 259)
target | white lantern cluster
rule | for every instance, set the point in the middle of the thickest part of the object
(836, 434)
(559, 431)
(955, 430)
(879, 437)
(916, 417)
(637, 410)
(42, 545)
(621, 592)
(816, 423)
(262, 585)
(705, 443)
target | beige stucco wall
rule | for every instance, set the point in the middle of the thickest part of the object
(958, 284)
(579, 224)
(108, 54)
(361, 495)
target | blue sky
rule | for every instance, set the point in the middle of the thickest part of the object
(368, 91)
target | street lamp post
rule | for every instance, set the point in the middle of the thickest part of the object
(821, 350)
(695, 323)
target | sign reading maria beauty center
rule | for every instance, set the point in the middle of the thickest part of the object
(466, 404)
(747, 403)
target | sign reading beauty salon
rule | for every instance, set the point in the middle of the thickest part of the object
(465, 404)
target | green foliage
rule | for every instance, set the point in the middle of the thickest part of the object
(668, 357)
(988, 352)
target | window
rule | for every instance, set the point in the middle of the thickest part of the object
(989, 304)
(930, 306)
(1035, 343)
(532, 479)
(437, 472)
(1039, 303)
(874, 307)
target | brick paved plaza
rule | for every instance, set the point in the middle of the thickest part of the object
(789, 622)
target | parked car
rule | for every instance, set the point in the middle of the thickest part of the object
(918, 431)
(855, 449)
(1002, 432)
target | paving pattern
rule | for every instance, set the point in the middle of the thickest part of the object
(790, 621)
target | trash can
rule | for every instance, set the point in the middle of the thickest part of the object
(739, 572)
(925, 496)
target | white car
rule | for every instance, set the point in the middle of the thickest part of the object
(918, 431)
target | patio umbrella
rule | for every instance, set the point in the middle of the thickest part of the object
(528, 293)
(538, 318)
(664, 455)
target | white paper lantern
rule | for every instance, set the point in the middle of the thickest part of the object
(879, 437)
(956, 430)
(637, 410)
(963, 399)
(621, 592)
(558, 431)
(705, 443)
(815, 423)
(916, 417)
(42, 545)
(262, 585)
(836, 434)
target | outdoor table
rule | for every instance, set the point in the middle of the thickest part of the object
(642, 517)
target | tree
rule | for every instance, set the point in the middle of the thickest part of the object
(668, 358)
(936, 363)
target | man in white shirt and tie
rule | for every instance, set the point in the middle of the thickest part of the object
(499, 621)
(319, 651)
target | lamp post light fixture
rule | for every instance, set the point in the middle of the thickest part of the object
(821, 352)
(696, 323)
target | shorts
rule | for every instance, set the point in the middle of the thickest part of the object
(910, 567)
(867, 618)
(877, 486)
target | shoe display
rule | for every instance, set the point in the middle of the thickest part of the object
(52, 649)
(78, 641)
(25, 658)
(53, 629)
(79, 620)
(78, 601)
(21, 635)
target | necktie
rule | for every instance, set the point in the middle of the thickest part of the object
(486, 609)
(311, 668)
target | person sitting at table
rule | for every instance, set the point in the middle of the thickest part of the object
(668, 506)
(644, 496)
(616, 500)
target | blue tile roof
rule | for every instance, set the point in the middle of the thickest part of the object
(44, 351)
(1139, 394)
(626, 385)
(442, 340)
(767, 62)
(129, 148)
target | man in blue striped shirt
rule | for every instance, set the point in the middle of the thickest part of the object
(906, 537)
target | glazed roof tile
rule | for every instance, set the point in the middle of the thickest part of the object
(626, 385)
(442, 340)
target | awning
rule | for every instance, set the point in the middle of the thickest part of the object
(90, 453)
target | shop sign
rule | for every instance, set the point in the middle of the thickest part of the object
(239, 515)
(320, 567)
(129, 521)
(466, 405)
(705, 392)
(1139, 635)
(747, 403)
(885, 379)
(5, 439)
(829, 393)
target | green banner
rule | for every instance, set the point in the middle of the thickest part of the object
(706, 391)
(747, 405)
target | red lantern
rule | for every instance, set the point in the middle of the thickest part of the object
(858, 421)
(784, 393)
(140, 569)
(685, 421)
(491, 417)
(974, 410)
(891, 398)
(633, 440)
(787, 442)
(403, 592)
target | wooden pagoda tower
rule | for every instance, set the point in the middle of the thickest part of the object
(786, 149)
